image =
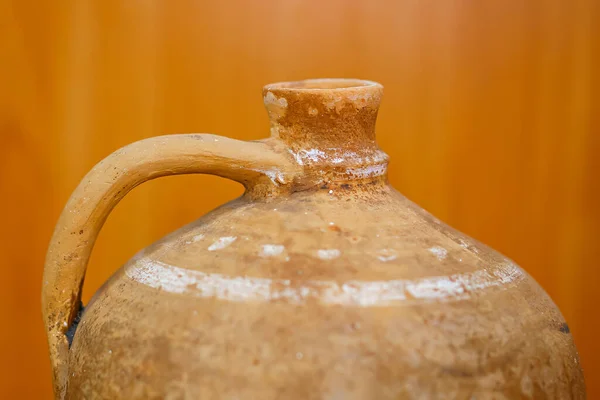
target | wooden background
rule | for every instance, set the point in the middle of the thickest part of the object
(488, 117)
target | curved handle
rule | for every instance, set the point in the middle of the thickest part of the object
(250, 163)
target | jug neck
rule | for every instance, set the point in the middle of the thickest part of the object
(328, 124)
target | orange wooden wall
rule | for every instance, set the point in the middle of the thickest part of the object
(488, 117)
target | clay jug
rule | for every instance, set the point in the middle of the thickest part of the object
(320, 282)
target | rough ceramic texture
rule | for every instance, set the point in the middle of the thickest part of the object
(320, 282)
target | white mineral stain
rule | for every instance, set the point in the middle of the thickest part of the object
(275, 106)
(328, 254)
(387, 255)
(269, 250)
(221, 243)
(270, 98)
(195, 239)
(314, 155)
(276, 176)
(439, 252)
(455, 287)
(368, 171)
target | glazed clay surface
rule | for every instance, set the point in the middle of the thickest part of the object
(320, 282)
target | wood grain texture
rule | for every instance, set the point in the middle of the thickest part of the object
(490, 116)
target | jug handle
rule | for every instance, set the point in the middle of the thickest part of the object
(250, 163)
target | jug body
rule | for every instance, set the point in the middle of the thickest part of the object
(321, 281)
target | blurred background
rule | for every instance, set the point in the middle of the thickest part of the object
(488, 117)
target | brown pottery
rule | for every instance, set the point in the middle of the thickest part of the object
(320, 282)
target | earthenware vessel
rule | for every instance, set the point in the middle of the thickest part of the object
(320, 282)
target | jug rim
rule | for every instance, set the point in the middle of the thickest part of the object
(323, 84)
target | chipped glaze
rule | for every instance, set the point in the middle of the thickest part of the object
(320, 282)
